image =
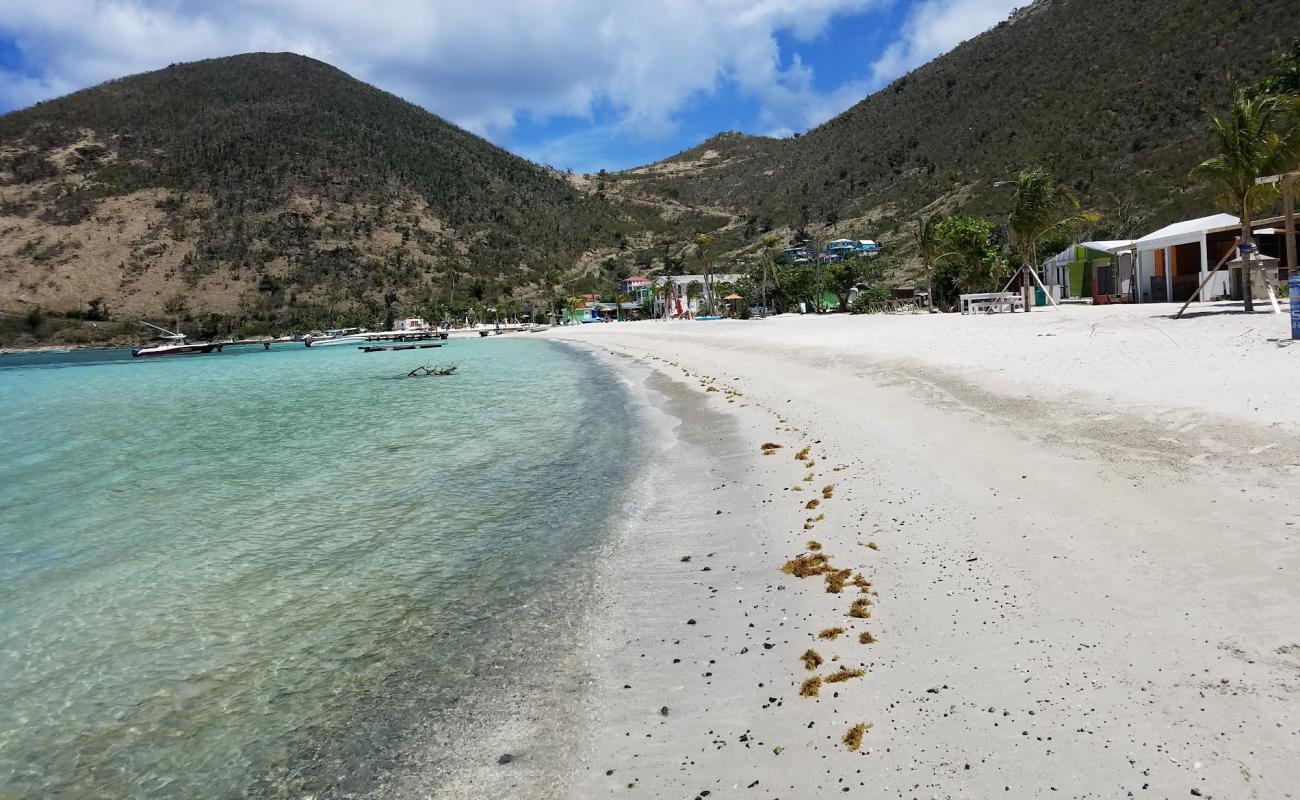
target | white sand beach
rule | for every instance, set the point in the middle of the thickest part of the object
(1079, 527)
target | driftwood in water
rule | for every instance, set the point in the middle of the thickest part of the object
(435, 369)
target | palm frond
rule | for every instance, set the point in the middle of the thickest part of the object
(1259, 136)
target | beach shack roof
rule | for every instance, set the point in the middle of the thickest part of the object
(1185, 232)
(1111, 246)
(1070, 254)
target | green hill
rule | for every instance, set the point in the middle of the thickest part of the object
(275, 187)
(1107, 94)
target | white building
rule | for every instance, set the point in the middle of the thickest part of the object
(1172, 261)
(683, 281)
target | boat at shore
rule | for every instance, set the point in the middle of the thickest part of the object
(171, 343)
(335, 337)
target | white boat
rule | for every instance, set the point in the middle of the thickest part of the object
(172, 343)
(334, 337)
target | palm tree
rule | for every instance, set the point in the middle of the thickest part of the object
(619, 300)
(665, 293)
(693, 292)
(927, 243)
(1042, 207)
(1259, 136)
(769, 244)
(702, 242)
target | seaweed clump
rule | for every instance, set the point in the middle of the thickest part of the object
(866, 638)
(813, 503)
(830, 633)
(844, 674)
(802, 454)
(828, 490)
(814, 545)
(769, 448)
(811, 687)
(807, 566)
(860, 608)
(811, 659)
(837, 580)
(853, 739)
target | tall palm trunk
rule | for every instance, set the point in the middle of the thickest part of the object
(702, 242)
(708, 288)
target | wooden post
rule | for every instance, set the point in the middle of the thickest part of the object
(1034, 274)
(1213, 272)
(1288, 211)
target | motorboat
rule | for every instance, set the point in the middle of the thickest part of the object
(334, 337)
(171, 343)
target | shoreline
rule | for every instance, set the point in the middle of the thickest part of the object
(699, 659)
(1091, 606)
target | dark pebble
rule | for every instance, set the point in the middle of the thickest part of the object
(505, 759)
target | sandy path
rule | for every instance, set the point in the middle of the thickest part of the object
(1076, 593)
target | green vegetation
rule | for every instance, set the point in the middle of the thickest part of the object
(1258, 137)
(1284, 77)
(969, 258)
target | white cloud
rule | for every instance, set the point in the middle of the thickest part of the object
(936, 26)
(483, 64)
(630, 67)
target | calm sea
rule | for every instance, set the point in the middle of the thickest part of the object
(255, 573)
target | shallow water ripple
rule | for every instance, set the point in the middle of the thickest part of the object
(254, 573)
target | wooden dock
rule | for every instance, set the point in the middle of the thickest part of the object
(379, 348)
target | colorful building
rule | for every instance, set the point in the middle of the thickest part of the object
(638, 288)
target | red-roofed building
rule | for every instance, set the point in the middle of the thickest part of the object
(636, 287)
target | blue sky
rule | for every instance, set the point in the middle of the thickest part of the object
(580, 84)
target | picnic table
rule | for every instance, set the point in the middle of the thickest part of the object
(991, 302)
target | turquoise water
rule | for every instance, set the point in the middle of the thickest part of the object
(256, 573)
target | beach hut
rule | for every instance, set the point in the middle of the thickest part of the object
(1101, 270)
(1173, 261)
